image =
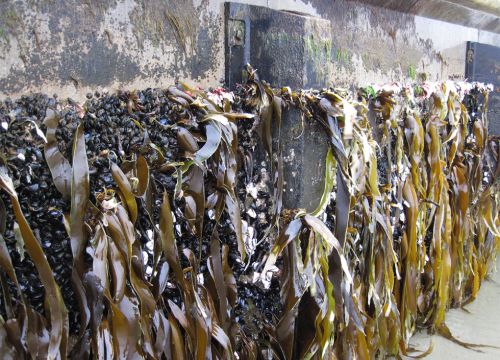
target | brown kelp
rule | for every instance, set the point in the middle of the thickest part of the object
(150, 224)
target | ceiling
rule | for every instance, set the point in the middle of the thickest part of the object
(481, 14)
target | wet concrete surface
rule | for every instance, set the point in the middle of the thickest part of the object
(480, 326)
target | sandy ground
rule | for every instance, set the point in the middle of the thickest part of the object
(481, 326)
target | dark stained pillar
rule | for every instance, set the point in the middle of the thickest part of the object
(483, 64)
(287, 49)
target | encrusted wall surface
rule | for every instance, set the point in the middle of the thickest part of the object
(72, 47)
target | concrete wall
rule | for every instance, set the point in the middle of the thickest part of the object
(72, 47)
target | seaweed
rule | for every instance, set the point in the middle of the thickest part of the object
(151, 223)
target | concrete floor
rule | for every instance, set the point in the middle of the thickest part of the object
(481, 326)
